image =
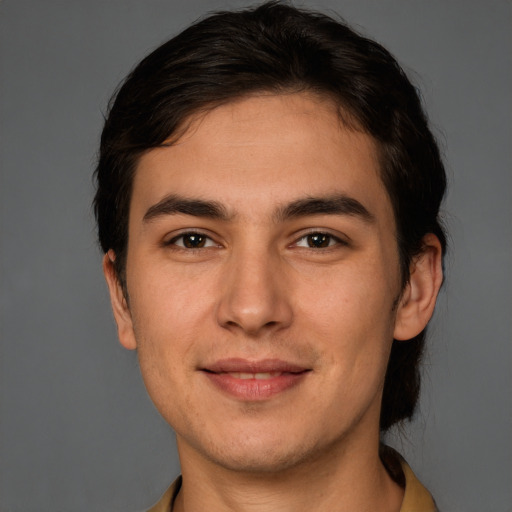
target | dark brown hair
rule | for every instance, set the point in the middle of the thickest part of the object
(278, 48)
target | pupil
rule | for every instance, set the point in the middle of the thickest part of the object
(193, 241)
(318, 240)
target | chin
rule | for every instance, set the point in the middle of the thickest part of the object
(263, 462)
(260, 454)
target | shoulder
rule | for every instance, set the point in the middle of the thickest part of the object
(416, 496)
(165, 503)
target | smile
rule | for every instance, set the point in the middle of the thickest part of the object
(254, 380)
(257, 376)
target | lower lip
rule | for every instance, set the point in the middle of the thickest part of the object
(255, 389)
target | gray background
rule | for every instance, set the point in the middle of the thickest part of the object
(77, 432)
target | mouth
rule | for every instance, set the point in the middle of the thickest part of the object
(254, 380)
(257, 376)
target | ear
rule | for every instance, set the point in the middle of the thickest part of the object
(122, 314)
(420, 294)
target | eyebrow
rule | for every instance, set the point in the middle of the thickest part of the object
(174, 204)
(338, 204)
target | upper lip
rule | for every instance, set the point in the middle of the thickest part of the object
(251, 366)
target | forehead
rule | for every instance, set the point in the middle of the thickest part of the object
(261, 152)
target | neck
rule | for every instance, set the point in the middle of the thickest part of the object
(344, 478)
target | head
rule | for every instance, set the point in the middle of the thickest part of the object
(278, 50)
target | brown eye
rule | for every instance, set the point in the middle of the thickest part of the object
(192, 241)
(319, 240)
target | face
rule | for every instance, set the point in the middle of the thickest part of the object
(263, 275)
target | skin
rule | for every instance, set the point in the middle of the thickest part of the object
(257, 288)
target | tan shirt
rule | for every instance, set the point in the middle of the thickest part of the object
(416, 497)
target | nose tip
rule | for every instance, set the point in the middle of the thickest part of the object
(254, 299)
(251, 322)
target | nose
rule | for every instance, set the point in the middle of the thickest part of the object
(255, 298)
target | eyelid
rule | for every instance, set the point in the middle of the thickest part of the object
(340, 239)
(171, 240)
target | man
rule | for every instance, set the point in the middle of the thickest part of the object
(267, 201)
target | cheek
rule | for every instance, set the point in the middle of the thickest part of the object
(350, 319)
(352, 300)
(158, 309)
(167, 301)
(172, 311)
(164, 353)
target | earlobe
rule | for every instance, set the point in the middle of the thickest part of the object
(122, 314)
(419, 297)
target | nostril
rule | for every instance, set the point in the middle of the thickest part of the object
(253, 301)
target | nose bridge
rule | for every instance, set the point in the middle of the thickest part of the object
(254, 298)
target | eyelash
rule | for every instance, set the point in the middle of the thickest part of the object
(173, 241)
(322, 236)
(332, 240)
